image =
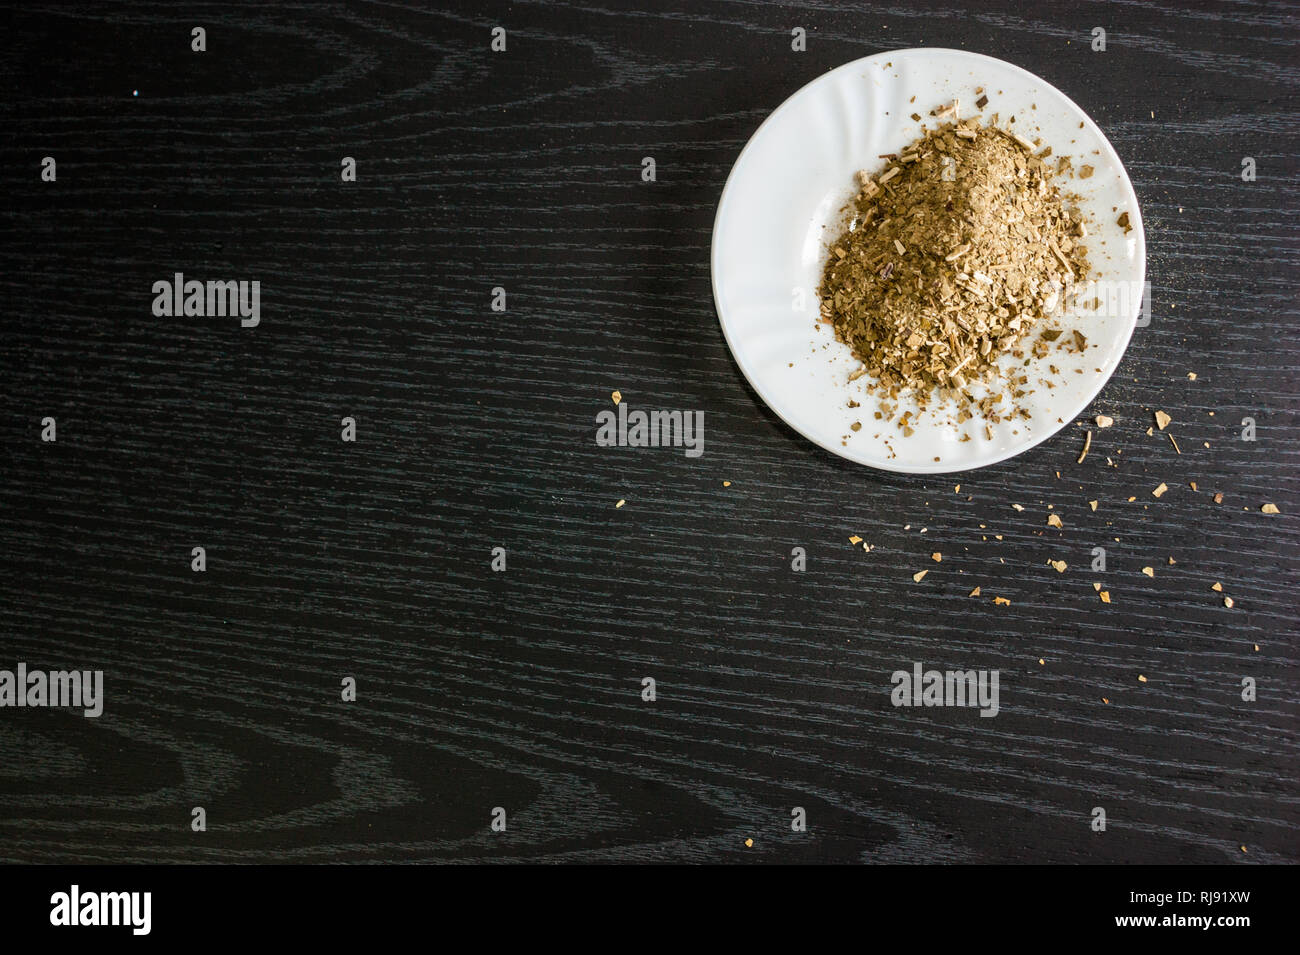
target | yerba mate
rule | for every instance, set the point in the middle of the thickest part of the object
(953, 255)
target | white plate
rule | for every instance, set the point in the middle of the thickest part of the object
(782, 205)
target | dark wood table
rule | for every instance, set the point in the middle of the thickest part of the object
(475, 429)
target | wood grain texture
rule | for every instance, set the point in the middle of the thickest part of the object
(476, 429)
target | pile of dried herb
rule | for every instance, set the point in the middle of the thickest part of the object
(953, 255)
